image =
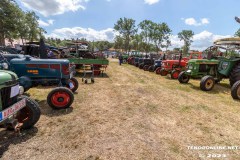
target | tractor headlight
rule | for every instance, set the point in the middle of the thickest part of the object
(190, 66)
(5, 66)
(21, 90)
(224, 65)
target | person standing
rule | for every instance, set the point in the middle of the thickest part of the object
(120, 59)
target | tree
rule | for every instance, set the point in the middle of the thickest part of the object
(34, 31)
(186, 36)
(161, 35)
(237, 34)
(147, 29)
(136, 41)
(9, 16)
(15, 23)
(103, 45)
(119, 42)
(126, 27)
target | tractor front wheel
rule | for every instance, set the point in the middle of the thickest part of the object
(75, 84)
(60, 98)
(141, 66)
(145, 68)
(183, 77)
(174, 74)
(158, 70)
(235, 90)
(235, 74)
(30, 114)
(163, 72)
(207, 83)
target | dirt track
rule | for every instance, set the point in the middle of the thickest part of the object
(131, 114)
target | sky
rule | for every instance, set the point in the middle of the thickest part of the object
(95, 19)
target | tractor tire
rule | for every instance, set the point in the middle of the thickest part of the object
(158, 70)
(145, 68)
(151, 69)
(175, 74)
(183, 78)
(124, 61)
(235, 74)
(30, 114)
(141, 66)
(207, 83)
(235, 90)
(74, 81)
(163, 72)
(136, 64)
(60, 98)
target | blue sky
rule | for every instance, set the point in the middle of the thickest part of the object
(94, 19)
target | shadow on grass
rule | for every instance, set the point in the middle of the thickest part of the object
(8, 138)
(48, 111)
(218, 88)
(102, 75)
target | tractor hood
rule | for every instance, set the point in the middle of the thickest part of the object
(203, 61)
(38, 61)
(6, 76)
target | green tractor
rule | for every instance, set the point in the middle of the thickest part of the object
(16, 111)
(223, 61)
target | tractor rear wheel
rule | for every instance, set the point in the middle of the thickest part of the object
(74, 83)
(235, 74)
(60, 98)
(30, 114)
(235, 90)
(158, 70)
(174, 74)
(151, 69)
(136, 64)
(207, 83)
(183, 77)
(163, 72)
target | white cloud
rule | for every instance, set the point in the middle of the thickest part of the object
(204, 21)
(201, 40)
(88, 33)
(54, 7)
(193, 22)
(150, 2)
(45, 24)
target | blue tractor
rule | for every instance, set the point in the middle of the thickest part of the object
(47, 72)
(157, 63)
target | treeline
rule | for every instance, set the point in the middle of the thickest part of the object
(147, 36)
(93, 45)
(15, 23)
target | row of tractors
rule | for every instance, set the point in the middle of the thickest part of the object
(19, 73)
(222, 60)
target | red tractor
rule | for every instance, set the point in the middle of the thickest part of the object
(130, 60)
(174, 67)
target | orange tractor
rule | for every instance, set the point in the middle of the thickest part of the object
(174, 67)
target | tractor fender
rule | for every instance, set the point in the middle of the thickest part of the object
(26, 82)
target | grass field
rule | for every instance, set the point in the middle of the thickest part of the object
(131, 114)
